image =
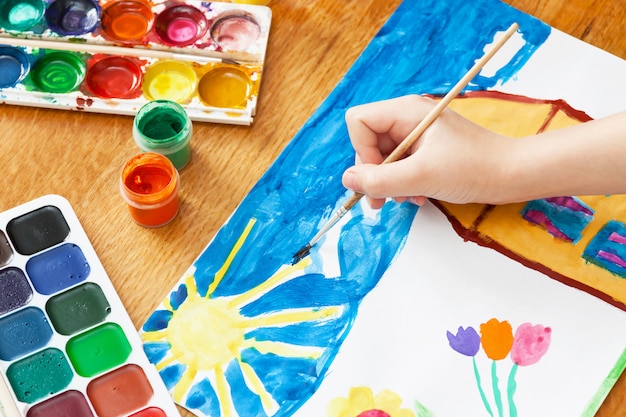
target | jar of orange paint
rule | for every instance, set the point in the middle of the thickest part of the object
(149, 184)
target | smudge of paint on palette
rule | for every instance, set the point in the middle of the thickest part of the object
(220, 85)
(67, 345)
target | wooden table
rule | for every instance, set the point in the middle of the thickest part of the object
(312, 45)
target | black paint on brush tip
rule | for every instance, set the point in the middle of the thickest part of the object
(298, 256)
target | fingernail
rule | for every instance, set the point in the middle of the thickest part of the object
(349, 180)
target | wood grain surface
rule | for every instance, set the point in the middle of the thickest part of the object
(312, 45)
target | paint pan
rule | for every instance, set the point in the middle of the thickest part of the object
(181, 25)
(215, 58)
(126, 20)
(225, 87)
(58, 72)
(67, 345)
(115, 77)
(72, 17)
(20, 15)
(170, 80)
(14, 65)
(235, 30)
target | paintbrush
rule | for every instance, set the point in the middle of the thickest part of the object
(108, 49)
(404, 146)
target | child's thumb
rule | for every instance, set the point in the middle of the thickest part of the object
(375, 181)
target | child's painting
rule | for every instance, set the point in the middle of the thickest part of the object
(443, 311)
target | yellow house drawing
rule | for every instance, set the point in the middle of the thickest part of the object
(580, 241)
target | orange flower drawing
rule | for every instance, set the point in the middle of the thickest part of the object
(496, 338)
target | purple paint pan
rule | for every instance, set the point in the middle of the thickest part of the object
(72, 17)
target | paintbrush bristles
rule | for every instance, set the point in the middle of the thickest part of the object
(415, 134)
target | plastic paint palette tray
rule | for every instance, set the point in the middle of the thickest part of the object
(206, 56)
(67, 345)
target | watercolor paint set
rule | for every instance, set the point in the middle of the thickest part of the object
(113, 56)
(67, 345)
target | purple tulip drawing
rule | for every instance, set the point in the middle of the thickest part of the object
(466, 341)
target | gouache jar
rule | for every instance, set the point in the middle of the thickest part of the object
(163, 127)
(149, 184)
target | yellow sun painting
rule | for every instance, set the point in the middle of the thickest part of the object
(209, 349)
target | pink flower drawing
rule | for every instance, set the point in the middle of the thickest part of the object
(530, 343)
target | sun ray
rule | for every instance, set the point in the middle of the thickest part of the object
(278, 277)
(292, 317)
(183, 385)
(257, 386)
(223, 393)
(190, 283)
(205, 334)
(229, 259)
(286, 350)
(155, 336)
(165, 362)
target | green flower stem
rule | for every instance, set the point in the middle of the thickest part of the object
(480, 388)
(497, 396)
(512, 385)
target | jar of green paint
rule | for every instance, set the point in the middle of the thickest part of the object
(163, 126)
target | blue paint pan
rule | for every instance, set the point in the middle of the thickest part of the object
(14, 65)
